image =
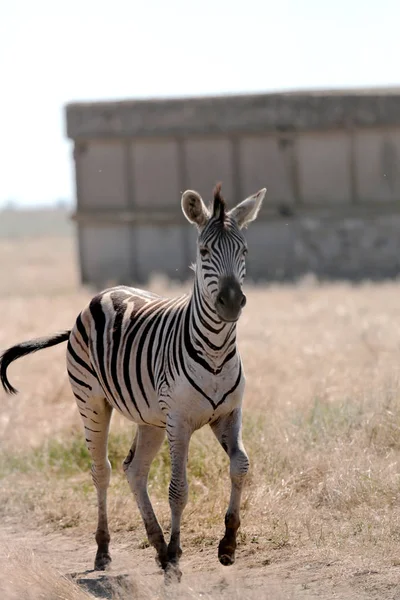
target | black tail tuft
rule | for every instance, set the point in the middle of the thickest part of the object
(23, 349)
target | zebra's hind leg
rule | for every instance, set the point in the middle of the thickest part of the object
(228, 430)
(137, 464)
(96, 415)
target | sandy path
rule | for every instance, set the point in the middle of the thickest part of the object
(134, 570)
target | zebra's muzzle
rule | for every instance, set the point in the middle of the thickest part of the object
(230, 300)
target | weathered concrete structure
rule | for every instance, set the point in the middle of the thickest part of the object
(330, 162)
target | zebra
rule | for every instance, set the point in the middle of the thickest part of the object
(169, 365)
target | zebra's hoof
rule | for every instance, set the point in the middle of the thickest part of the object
(226, 551)
(172, 574)
(102, 561)
(226, 559)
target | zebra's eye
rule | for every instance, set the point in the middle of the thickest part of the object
(244, 251)
(204, 252)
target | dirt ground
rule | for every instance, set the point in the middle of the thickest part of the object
(321, 513)
(134, 573)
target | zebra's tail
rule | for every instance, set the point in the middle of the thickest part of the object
(23, 349)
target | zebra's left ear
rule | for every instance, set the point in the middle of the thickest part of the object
(194, 208)
(247, 211)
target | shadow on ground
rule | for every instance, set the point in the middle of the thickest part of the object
(105, 586)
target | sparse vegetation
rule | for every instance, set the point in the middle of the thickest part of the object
(321, 425)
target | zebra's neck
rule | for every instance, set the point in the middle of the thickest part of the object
(212, 340)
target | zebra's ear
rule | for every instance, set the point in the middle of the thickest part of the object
(194, 208)
(247, 211)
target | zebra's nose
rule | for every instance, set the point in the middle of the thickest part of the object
(226, 298)
(229, 296)
(230, 300)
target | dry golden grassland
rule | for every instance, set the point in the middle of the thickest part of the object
(321, 510)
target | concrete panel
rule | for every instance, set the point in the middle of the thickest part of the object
(155, 173)
(207, 162)
(264, 162)
(378, 165)
(160, 250)
(270, 250)
(329, 247)
(350, 248)
(106, 254)
(345, 247)
(102, 178)
(324, 164)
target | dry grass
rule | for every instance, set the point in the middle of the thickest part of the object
(24, 577)
(322, 428)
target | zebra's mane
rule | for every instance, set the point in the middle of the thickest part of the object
(219, 204)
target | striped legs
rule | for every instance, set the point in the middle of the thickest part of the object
(228, 430)
(179, 434)
(137, 464)
(96, 415)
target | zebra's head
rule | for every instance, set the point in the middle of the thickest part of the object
(221, 248)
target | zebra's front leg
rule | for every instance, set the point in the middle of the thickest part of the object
(228, 430)
(179, 434)
(137, 464)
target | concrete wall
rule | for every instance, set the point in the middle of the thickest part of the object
(330, 163)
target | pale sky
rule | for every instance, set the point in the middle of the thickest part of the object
(53, 52)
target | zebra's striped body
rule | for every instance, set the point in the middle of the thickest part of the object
(142, 352)
(169, 365)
